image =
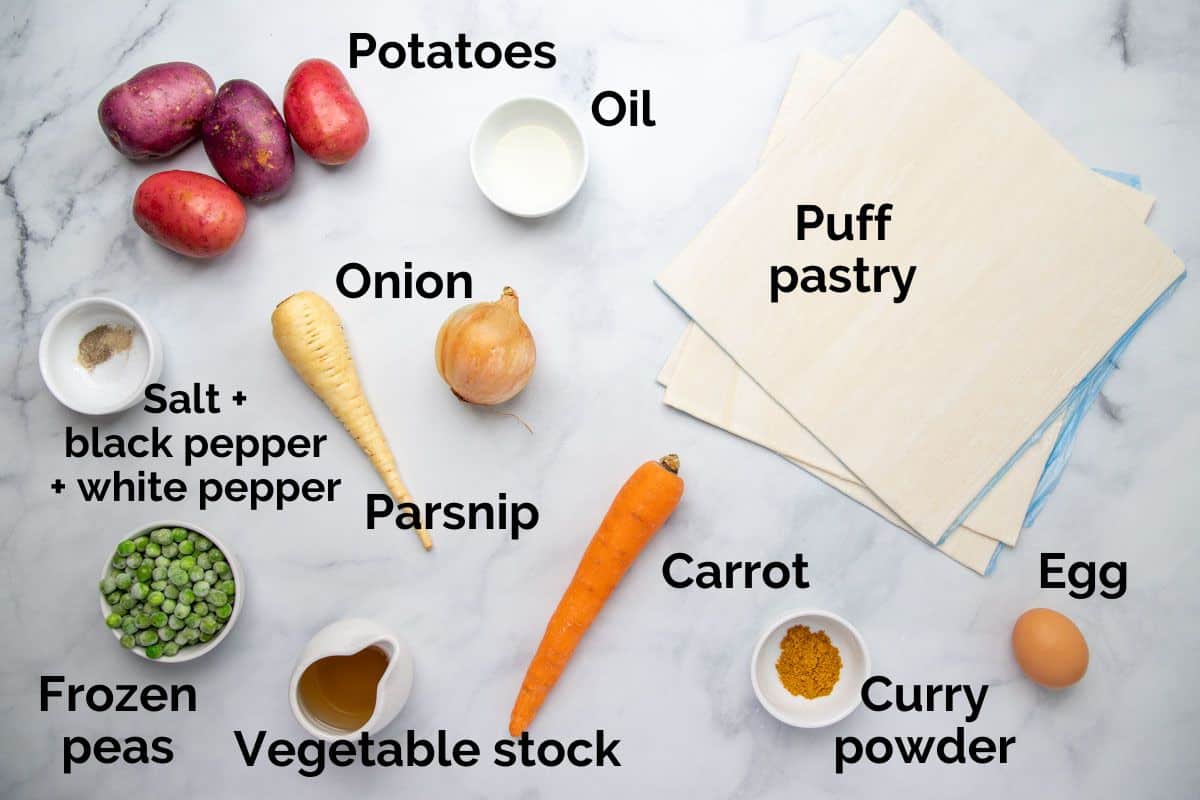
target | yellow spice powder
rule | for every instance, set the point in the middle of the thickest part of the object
(809, 665)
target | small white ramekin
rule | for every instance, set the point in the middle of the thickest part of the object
(798, 711)
(510, 115)
(113, 386)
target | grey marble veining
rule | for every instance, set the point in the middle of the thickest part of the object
(664, 670)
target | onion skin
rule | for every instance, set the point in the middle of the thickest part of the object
(485, 352)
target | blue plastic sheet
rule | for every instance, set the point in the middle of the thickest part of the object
(1075, 407)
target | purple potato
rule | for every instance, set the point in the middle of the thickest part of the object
(247, 141)
(158, 111)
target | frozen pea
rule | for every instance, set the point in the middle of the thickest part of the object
(221, 568)
(108, 585)
(184, 637)
(139, 544)
(186, 548)
(113, 598)
(123, 581)
(177, 575)
(203, 561)
(211, 577)
(208, 625)
(200, 608)
(171, 592)
(113, 620)
(201, 588)
(227, 587)
(153, 550)
(178, 534)
(187, 596)
(216, 598)
(162, 562)
(154, 651)
(204, 637)
(158, 619)
(127, 641)
(139, 591)
(192, 536)
(168, 605)
(143, 620)
(165, 634)
(144, 571)
(203, 544)
(159, 573)
(193, 620)
(169, 551)
(161, 536)
(129, 625)
(125, 548)
(224, 611)
(187, 562)
(133, 561)
(196, 574)
(170, 649)
(157, 586)
(127, 602)
(182, 610)
(175, 623)
(118, 561)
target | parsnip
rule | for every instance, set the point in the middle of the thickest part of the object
(309, 334)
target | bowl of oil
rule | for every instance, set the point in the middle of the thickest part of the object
(529, 157)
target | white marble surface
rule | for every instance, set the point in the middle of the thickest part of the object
(664, 670)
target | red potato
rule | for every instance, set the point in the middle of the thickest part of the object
(247, 142)
(193, 214)
(158, 111)
(324, 116)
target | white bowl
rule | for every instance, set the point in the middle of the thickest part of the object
(529, 157)
(195, 650)
(113, 386)
(800, 712)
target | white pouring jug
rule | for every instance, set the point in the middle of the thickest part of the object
(347, 637)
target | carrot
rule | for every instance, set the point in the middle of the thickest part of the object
(309, 334)
(636, 514)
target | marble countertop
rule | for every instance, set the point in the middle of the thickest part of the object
(664, 670)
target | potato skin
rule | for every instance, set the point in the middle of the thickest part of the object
(247, 142)
(158, 111)
(193, 214)
(324, 116)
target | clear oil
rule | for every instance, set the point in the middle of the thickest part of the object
(339, 691)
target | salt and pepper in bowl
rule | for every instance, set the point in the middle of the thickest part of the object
(97, 356)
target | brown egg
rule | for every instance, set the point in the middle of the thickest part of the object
(1050, 649)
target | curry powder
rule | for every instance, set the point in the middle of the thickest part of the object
(809, 664)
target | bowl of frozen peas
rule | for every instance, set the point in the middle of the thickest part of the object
(170, 592)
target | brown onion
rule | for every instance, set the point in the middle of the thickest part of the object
(485, 351)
